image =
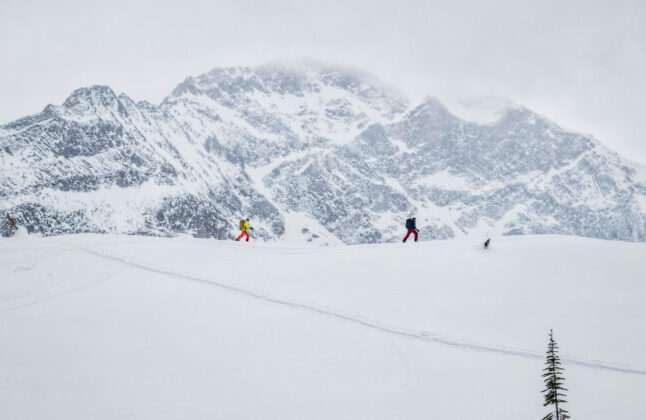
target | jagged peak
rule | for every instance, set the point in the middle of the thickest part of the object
(290, 76)
(519, 114)
(97, 95)
(146, 105)
(431, 107)
(123, 97)
(297, 67)
(518, 111)
(314, 68)
(188, 85)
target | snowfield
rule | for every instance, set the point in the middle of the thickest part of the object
(115, 327)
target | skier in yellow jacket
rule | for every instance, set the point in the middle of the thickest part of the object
(244, 227)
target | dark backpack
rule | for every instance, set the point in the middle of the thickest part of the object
(242, 224)
(409, 223)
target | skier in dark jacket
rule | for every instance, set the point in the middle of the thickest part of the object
(412, 228)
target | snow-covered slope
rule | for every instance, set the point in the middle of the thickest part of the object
(108, 326)
(325, 151)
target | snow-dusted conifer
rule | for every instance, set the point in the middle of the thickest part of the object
(554, 390)
(12, 224)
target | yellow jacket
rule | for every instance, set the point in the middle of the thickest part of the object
(245, 226)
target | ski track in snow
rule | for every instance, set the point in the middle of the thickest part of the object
(58, 294)
(423, 336)
(54, 295)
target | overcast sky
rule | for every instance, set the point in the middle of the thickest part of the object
(580, 63)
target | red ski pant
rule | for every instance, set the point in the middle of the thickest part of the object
(413, 231)
(244, 232)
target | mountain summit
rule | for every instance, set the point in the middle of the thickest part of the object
(309, 153)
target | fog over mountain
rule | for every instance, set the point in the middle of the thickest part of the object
(311, 153)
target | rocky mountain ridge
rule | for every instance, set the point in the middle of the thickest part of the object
(318, 154)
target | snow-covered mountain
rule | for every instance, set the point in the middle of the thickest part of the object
(309, 153)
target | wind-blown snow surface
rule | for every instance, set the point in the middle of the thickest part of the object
(106, 326)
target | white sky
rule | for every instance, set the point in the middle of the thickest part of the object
(580, 63)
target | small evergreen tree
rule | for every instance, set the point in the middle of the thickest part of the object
(12, 224)
(554, 390)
